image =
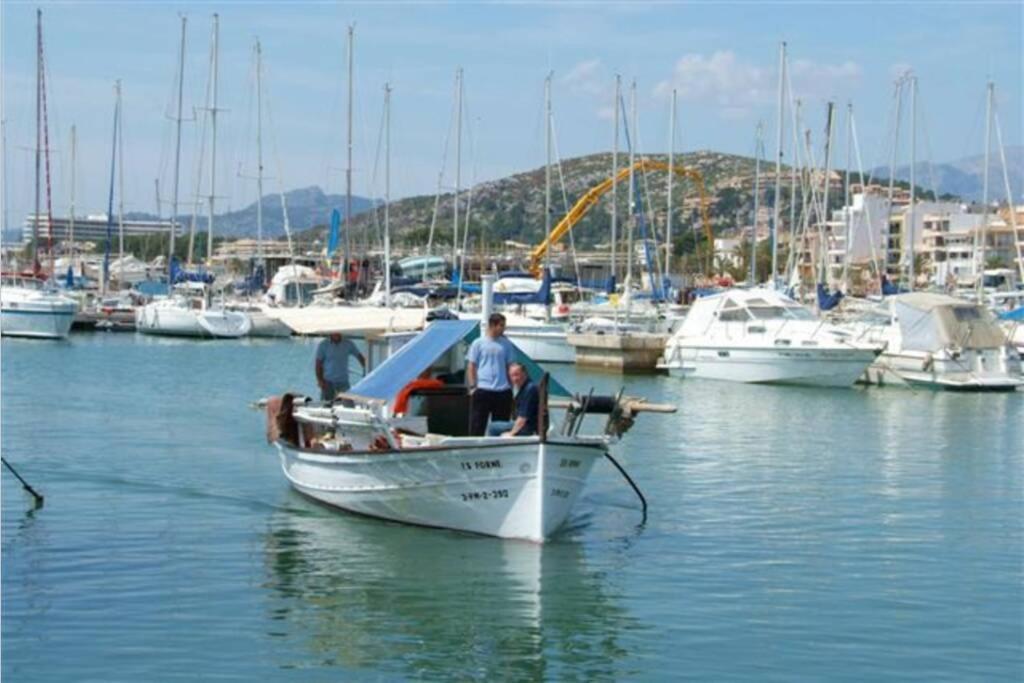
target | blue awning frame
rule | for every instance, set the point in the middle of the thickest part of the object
(406, 364)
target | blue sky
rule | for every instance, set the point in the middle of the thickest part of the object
(721, 56)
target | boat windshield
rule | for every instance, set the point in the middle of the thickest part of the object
(768, 312)
(799, 313)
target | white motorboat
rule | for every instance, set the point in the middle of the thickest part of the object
(545, 342)
(422, 468)
(29, 309)
(188, 312)
(762, 336)
(940, 342)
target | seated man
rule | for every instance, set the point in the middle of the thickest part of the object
(527, 406)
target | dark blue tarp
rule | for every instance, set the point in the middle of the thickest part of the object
(177, 274)
(541, 296)
(826, 301)
(889, 288)
(388, 378)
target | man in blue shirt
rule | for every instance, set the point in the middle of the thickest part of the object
(332, 356)
(487, 376)
(527, 406)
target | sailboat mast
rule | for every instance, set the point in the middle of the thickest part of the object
(615, 180)
(177, 145)
(980, 284)
(39, 135)
(1017, 243)
(909, 226)
(3, 143)
(848, 238)
(892, 164)
(71, 209)
(547, 178)
(110, 198)
(213, 145)
(671, 178)
(344, 270)
(120, 189)
(458, 168)
(632, 193)
(823, 215)
(779, 131)
(259, 155)
(387, 195)
(758, 145)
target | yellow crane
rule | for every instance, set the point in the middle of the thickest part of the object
(588, 200)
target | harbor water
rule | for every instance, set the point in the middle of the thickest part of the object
(793, 534)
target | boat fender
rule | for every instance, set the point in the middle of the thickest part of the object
(380, 443)
(929, 362)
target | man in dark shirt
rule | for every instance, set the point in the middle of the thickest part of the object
(527, 406)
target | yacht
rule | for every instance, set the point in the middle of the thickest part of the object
(29, 309)
(762, 336)
(940, 342)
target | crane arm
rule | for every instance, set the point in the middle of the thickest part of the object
(588, 200)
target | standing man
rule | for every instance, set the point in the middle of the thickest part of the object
(487, 376)
(527, 406)
(332, 365)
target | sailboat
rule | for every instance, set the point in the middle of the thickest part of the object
(30, 306)
(190, 310)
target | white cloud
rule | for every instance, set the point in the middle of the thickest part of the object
(586, 77)
(736, 87)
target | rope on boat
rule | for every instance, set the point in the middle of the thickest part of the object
(632, 484)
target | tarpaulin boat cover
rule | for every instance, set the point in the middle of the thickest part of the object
(933, 321)
(826, 301)
(406, 364)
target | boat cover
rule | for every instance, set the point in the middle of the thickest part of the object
(826, 301)
(934, 321)
(406, 364)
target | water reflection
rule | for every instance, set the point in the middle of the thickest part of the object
(362, 594)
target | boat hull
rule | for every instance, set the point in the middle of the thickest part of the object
(181, 322)
(817, 368)
(37, 324)
(516, 489)
(543, 345)
(974, 370)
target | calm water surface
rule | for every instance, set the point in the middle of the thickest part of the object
(793, 535)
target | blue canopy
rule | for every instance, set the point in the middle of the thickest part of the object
(178, 274)
(406, 364)
(1016, 314)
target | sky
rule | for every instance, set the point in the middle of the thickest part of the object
(720, 57)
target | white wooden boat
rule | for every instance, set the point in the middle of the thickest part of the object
(939, 342)
(28, 309)
(762, 336)
(421, 468)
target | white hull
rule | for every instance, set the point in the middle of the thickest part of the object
(818, 367)
(176, 321)
(543, 344)
(521, 489)
(265, 326)
(974, 370)
(30, 313)
(36, 324)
